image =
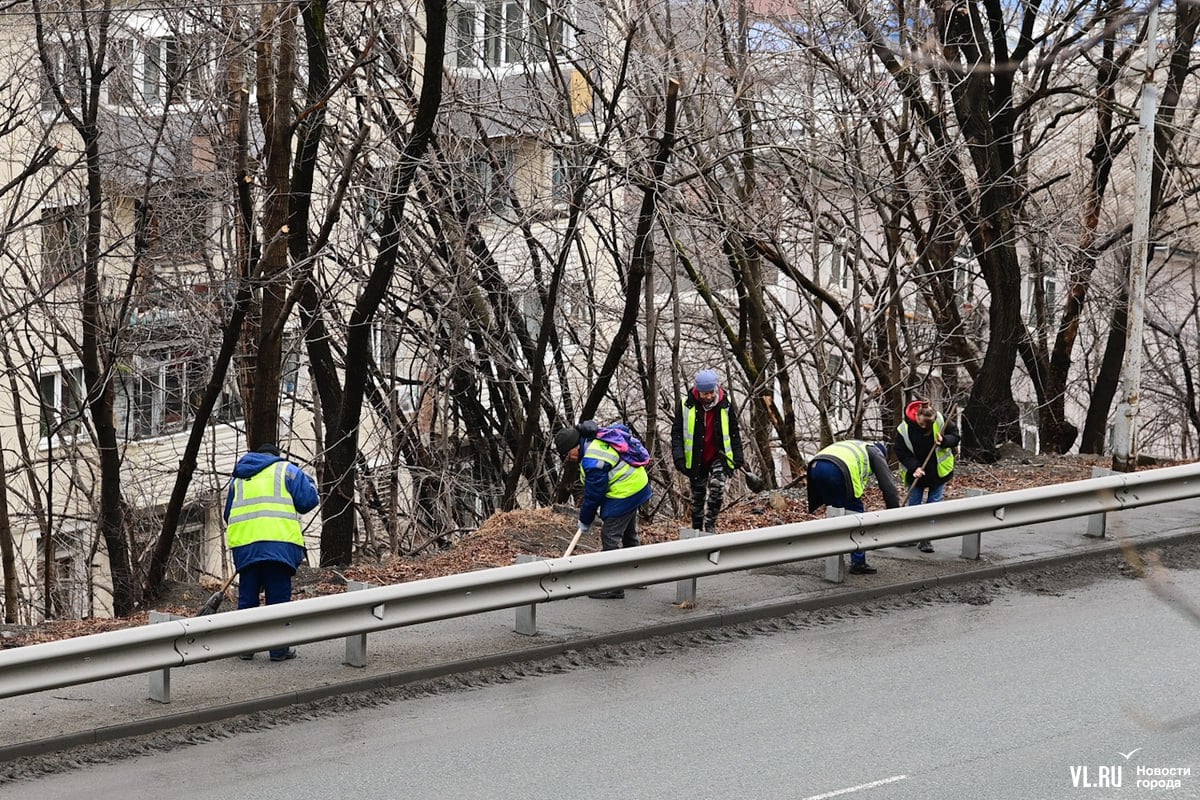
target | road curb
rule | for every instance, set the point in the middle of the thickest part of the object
(812, 602)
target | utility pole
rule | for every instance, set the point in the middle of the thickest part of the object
(1125, 439)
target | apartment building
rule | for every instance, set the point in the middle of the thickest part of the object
(512, 152)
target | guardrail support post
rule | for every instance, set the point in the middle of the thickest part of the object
(835, 566)
(685, 590)
(1098, 523)
(526, 623)
(356, 644)
(160, 679)
(971, 542)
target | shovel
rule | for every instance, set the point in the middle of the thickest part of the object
(574, 541)
(753, 482)
(913, 488)
(214, 602)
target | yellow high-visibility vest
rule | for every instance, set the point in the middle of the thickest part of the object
(689, 437)
(945, 456)
(624, 479)
(852, 453)
(263, 510)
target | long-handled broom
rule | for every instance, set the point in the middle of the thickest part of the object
(218, 596)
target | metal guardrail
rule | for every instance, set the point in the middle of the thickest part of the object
(196, 640)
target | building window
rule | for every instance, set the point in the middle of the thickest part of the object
(965, 271)
(146, 228)
(62, 245)
(187, 556)
(65, 72)
(154, 70)
(120, 84)
(387, 348)
(159, 394)
(561, 185)
(175, 226)
(172, 70)
(375, 203)
(566, 173)
(1049, 286)
(162, 71)
(291, 370)
(834, 266)
(68, 598)
(488, 184)
(494, 177)
(395, 365)
(61, 403)
(396, 43)
(499, 33)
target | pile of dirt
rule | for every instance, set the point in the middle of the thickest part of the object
(539, 532)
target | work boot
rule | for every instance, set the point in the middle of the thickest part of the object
(862, 568)
(286, 655)
(925, 546)
(246, 656)
(615, 594)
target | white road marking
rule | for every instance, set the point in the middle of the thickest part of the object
(858, 788)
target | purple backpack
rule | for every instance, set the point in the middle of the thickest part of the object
(628, 446)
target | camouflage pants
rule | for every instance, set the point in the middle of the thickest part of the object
(708, 493)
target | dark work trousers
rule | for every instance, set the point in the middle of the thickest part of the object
(829, 484)
(272, 578)
(708, 493)
(618, 532)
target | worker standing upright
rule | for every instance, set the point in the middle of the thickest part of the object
(706, 446)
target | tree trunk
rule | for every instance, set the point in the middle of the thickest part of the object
(1108, 379)
(156, 569)
(984, 116)
(100, 400)
(337, 537)
(638, 256)
(276, 62)
(8, 558)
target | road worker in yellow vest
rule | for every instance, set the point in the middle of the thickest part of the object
(706, 446)
(838, 476)
(613, 489)
(266, 497)
(925, 473)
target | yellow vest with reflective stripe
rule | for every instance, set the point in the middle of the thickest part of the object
(624, 479)
(852, 453)
(945, 456)
(263, 510)
(689, 437)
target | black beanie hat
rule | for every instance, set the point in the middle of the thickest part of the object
(565, 439)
